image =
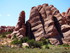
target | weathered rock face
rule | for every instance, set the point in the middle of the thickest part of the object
(68, 16)
(20, 28)
(46, 21)
(36, 24)
(66, 27)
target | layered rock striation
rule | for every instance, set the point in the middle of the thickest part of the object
(20, 28)
(47, 22)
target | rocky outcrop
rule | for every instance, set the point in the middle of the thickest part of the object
(46, 21)
(20, 28)
(66, 27)
(41, 21)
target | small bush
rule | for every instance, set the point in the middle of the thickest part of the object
(37, 44)
(24, 39)
(32, 43)
(16, 41)
(45, 41)
(2, 35)
(44, 47)
(65, 45)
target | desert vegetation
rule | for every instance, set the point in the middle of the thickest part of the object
(46, 31)
(42, 46)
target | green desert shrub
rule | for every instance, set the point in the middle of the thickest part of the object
(17, 40)
(37, 44)
(24, 39)
(65, 45)
(32, 43)
(45, 41)
(2, 35)
(45, 46)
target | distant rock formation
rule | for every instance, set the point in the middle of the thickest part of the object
(46, 21)
(4, 29)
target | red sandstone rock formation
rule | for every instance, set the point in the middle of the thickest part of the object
(4, 29)
(66, 27)
(20, 28)
(46, 21)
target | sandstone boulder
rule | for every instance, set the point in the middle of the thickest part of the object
(42, 23)
(46, 21)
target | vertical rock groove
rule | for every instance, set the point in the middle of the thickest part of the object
(42, 21)
(58, 27)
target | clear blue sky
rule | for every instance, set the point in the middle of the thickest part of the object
(10, 9)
